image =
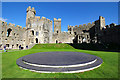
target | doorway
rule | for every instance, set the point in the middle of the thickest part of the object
(36, 40)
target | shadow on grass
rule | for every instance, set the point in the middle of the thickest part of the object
(96, 46)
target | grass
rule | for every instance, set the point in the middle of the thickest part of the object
(52, 46)
(109, 68)
(10, 50)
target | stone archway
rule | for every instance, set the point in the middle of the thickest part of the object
(56, 41)
(36, 40)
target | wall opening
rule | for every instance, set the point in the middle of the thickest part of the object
(36, 40)
(56, 41)
(2, 32)
(9, 32)
(7, 45)
(57, 31)
(75, 33)
(32, 32)
(16, 45)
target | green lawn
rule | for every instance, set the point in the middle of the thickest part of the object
(109, 68)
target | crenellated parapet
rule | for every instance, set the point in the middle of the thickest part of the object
(69, 26)
(88, 25)
(57, 20)
(110, 25)
(57, 25)
(10, 25)
(31, 9)
(43, 18)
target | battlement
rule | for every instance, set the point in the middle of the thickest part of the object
(3, 23)
(110, 25)
(17, 26)
(44, 18)
(57, 20)
(80, 26)
(31, 9)
(10, 24)
(24, 28)
(83, 25)
(101, 17)
(76, 25)
(69, 26)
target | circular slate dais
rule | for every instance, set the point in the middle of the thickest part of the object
(59, 59)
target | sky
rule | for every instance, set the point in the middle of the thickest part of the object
(71, 13)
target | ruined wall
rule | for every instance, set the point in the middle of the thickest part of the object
(110, 34)
(64, 37)
(12, 36)
(61, 37)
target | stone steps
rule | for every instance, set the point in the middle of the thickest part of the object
(53, 69)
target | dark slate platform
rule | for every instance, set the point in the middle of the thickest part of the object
(58, 59)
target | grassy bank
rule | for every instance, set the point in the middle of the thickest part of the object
(109, 68)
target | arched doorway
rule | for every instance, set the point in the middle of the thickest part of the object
(56, 41)
(36, 40)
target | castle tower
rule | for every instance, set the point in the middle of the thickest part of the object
(70, 29)
(30, 16)
(102, 22)
(57, 25)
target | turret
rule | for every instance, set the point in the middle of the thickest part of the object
(30, 16)
(102, 22)
(57, 25)
(70, 29)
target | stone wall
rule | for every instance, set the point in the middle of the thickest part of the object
(11, 35)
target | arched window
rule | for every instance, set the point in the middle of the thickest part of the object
(32, 32)
(37, 33)
(9, 32)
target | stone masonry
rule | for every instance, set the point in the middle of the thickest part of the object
(39, 30)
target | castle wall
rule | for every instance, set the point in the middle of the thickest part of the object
(39, 30)
(12, 36)
(63, 37)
